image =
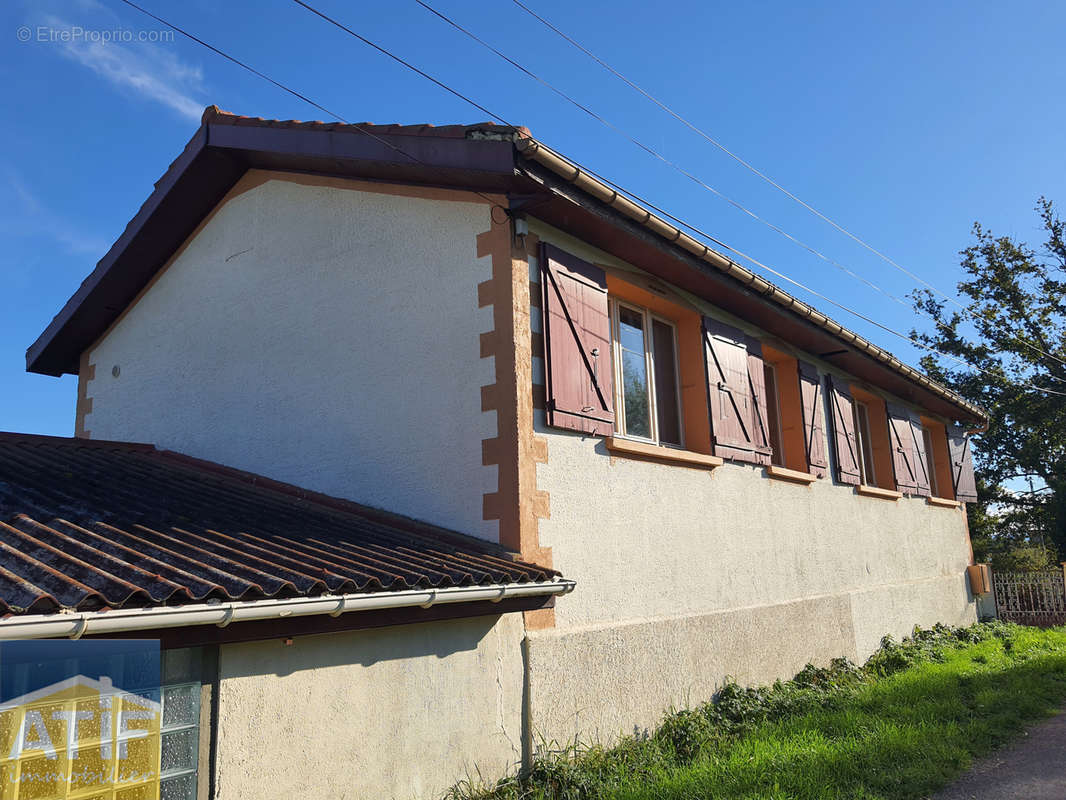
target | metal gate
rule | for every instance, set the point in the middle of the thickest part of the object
(1031, 598)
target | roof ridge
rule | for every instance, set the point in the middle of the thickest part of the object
(43, 438)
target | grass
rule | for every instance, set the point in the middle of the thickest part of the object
(902, 726)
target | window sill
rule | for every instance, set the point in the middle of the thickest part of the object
(791, 475)
(877, 491)
(686, 458)
(943, 502)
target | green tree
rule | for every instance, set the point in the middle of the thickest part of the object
(1016, 334)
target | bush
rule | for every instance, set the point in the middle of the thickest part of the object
(578, 772)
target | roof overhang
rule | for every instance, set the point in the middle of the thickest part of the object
(591, 210)
(75, 625)
(485, 158)
(214, 160)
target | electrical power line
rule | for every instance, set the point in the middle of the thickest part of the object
(637, 198)
(285, 88)
(655, 154)
(804, 287)
(747, 165)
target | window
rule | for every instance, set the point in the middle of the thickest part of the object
(938, 458)
(154, 745)
(930, 460)
(647, 391)
(773, 415)
(793, 413)
(865, 444)
(185, 731)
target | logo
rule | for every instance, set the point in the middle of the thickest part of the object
(79, 736)
(66, 735)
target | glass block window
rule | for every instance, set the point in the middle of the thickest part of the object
(85, 738)
(181, 697)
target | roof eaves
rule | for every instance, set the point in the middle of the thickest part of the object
(534, 150)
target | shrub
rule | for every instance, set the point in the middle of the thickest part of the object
(585, 772)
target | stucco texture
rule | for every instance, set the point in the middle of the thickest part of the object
(323, 333)
(687, 576)
(394, 713)
(700, 576)
(677, 541)
(592, 684)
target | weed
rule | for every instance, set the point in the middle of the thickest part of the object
(900, 726)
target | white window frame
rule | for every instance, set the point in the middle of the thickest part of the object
(648, 316)
(863, 442)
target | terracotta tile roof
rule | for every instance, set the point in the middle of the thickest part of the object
(89, 525)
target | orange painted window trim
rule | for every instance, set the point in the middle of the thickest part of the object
(880, 445)
(790, 475)
(943, 502)
(945, 485)
(789, 408)
(876, 491)
(685, 458)
(695, 416)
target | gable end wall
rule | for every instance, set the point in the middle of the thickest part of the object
(323, 332)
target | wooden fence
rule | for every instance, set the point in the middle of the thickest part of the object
(1031, 598)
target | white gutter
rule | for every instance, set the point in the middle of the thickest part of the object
(75, 624)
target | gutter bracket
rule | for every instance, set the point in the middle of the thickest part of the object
(83, 625)
(226, 620)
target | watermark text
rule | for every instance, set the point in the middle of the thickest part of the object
(73, 34)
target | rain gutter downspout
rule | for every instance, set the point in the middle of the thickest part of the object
(75, 624)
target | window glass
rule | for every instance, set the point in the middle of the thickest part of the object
(930, 464)
(634, 372)
(667, 402)
(862, 433)
(146, 741)
(773, 415)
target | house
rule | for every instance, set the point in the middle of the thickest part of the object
(396, 383)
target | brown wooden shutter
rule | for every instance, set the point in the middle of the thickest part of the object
(901, 440)
(813, 435)
(922, 468)
(736, 393)
(845, 444)
(577, 340)
(961, 464)
(757, 384)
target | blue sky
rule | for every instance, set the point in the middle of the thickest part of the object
(905, 122)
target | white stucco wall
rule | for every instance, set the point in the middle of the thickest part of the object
(686, 576)
(323, 336)
(685, 541)
(393, 713)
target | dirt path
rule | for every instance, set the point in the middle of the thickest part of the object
(1033, 768)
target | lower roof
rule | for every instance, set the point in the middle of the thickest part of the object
(89, 525)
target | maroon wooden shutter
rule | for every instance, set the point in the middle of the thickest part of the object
(577, 340)
(961, 464)
(813, 435)
(736, 393)
(757, 385)
(845, 444)
(922, 467)
(901, 440)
